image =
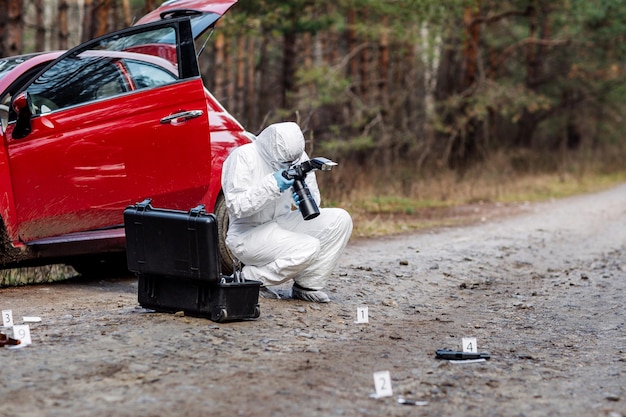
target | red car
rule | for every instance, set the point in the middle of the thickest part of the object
(114, 121)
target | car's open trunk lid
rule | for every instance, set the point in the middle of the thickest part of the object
(204, 13)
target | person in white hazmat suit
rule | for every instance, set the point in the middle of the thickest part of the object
(274, 242)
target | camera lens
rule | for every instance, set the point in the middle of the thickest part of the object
(307, 206)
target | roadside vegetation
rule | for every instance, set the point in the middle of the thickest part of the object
(35, 275)
(428, 106)
(384, 207)
(398, 202)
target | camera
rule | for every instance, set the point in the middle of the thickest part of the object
(308, 206)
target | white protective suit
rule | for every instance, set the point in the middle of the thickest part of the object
(274, 242)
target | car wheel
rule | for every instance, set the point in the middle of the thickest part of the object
(226, 257)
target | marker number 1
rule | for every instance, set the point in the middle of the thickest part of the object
(362, 315)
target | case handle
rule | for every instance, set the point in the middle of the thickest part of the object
(144, 205)
(198, 210)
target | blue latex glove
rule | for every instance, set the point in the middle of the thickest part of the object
(296, 200)
(283, 183)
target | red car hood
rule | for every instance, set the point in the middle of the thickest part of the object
(182, 7)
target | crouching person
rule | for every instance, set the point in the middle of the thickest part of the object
(274, 242)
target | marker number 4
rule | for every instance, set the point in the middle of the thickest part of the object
(469, 344)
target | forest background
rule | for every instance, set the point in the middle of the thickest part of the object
(424, 103)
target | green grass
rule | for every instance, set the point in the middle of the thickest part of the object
(399, 205)
(35, 275)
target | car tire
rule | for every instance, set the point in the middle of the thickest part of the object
(226, 257)
(8, 253)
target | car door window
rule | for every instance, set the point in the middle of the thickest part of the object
(5, 103)
(146, 75)
(107, 69)
(75, 80)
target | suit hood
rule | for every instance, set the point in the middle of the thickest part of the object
(281, 144)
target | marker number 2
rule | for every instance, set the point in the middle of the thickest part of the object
(382, 383)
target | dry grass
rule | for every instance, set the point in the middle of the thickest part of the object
(384, 203)
(378, 216)
(398, 200)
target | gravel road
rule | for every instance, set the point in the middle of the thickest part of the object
(542, 290)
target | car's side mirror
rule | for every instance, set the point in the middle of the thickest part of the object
(22, 105)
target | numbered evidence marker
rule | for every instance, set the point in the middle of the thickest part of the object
(7, 318)
(21, 332)
(362, 315)
(382, 383)
(469, 344)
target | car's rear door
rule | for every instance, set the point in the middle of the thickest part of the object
(106, 134)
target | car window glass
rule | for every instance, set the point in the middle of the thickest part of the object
(105, 69)
(75, 80)
(5, 102)
(146, 75)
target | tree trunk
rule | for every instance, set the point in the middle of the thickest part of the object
(40, 26)
(63, 24)
(3, 24)
(263, 74)
(307, 50)
(353, 68)
(289, 56)
(127, 16)
(114, 20)
(329, 41)
(525, 129)
(470, 48)
(241, 75)
(219, 72)
(431, 62)
(402, 75)
(545, 31)
(88, 31)
(101, 20)
(365, 67)
(13, 23)
(383, 62)
(229, 76)
(531, 54)
(251, 100)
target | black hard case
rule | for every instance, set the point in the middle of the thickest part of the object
(175, 255)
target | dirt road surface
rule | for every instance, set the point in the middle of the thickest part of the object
(543, 292)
